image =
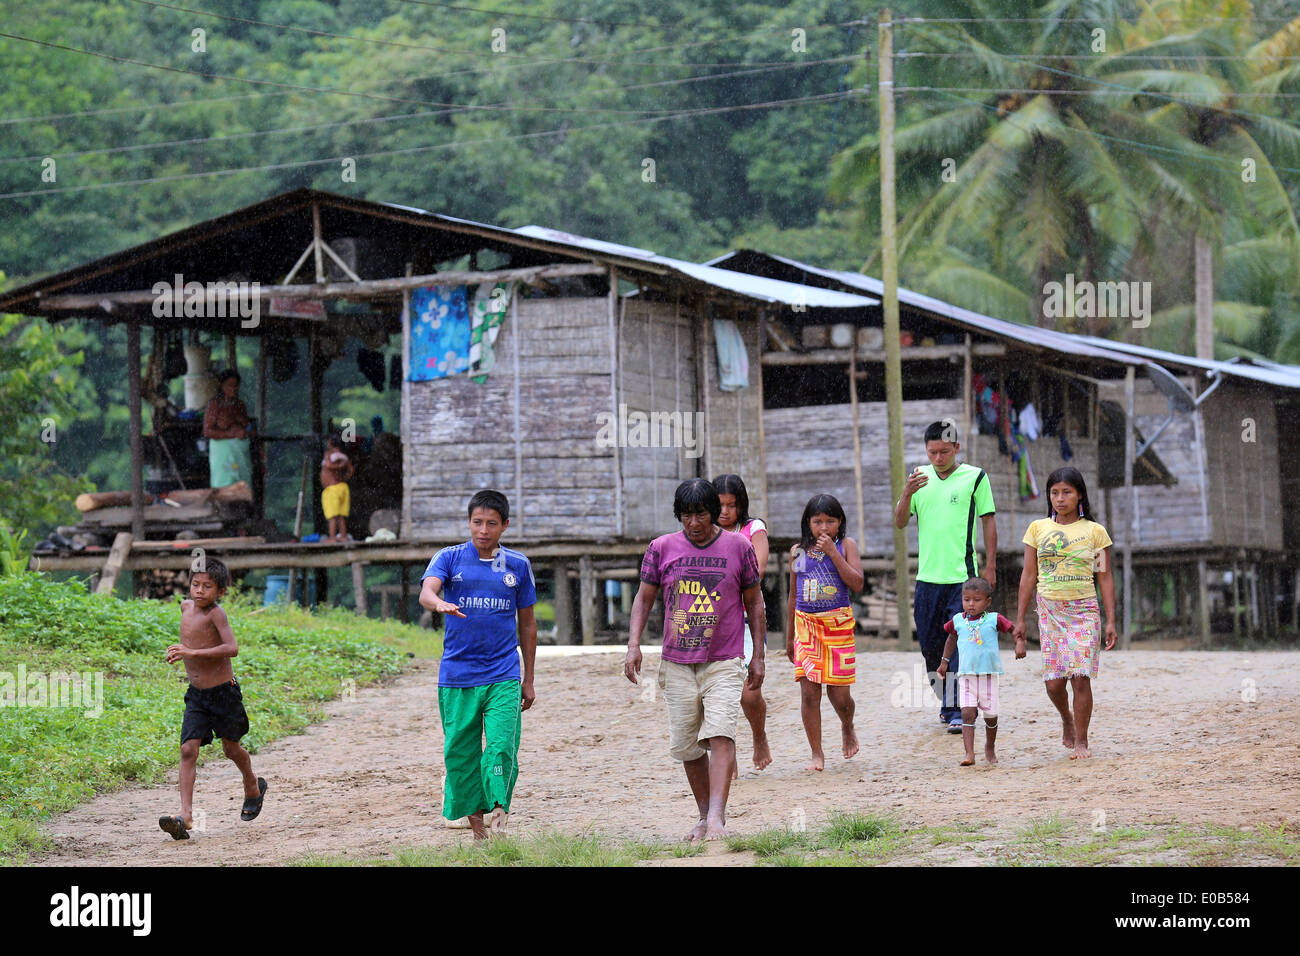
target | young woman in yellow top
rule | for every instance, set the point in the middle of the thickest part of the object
(1062, 553)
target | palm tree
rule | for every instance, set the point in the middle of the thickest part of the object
(1078, 161)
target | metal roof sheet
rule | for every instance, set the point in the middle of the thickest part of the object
(1028, 334)
(751, 286)
(1269, 373)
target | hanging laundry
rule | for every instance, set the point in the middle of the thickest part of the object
(1029, 425)
(371, 365)
(491, 303)
(733, 357)
(439, 332)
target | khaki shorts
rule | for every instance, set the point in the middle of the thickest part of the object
(703, 701)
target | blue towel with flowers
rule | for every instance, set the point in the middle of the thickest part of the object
(440, 332)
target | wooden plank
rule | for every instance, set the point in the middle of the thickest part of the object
(113, 566)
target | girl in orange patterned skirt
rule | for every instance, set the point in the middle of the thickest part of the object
(819, 626)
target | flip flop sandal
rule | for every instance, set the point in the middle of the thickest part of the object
(175, 826)
(253, 805)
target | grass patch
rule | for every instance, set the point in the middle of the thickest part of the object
(1051, 829)
(769, 843)
(291, 661)
(682, 850)
(845, 828)
(545, 849)
(956, 833)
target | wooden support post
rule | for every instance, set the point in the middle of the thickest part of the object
(613, 400)
(134, 427)
(113, 566)
(857, 451)
(1295, 602)
(587, 599)
(563, 603)
(1236, 600)
(889, 310)
(782, 591)
(359, 588)
(404, 531)
(316, 379)
(967, 399)
(404, 609)
(1129, 383)
(1254, 600)
(1203, 587)
(262, 427)
(316, 241)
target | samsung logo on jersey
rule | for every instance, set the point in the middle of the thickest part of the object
(487, 603)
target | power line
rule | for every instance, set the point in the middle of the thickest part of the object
(1139, 92)
(1124, 91)
(1095, 21)
(135, 109)
(1148, 148)
(705, 111)
(295, 87)
(379, 119)
(477, 53)
(1075, 56)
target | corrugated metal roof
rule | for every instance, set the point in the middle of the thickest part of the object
(1028, 334)
(25, 298)
(742, 283)
(1270, 373)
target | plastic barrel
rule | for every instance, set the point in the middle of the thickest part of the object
(277, 589)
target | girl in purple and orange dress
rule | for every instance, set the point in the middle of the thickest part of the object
(1062, 553)
(820, 624)
(735, 517)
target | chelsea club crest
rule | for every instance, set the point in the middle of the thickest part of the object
(510, 579)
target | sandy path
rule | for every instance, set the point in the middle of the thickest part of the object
(1174, 741)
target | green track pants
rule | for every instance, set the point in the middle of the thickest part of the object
(479, 776)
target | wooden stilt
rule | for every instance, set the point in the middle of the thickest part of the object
(135, 430)
(587, 599)
(1203, 587)
(404, 608)
(359, 588)
(113, 566)
(563, 603)
(1236, 600)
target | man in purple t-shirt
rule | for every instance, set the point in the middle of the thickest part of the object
(710, 582)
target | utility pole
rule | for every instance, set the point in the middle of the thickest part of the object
(889, 305)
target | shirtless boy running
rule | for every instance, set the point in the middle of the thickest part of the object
(213, 702)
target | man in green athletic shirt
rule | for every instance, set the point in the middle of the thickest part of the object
(946, 497)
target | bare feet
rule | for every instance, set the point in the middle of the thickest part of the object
(716, 831)
(476, 824)
(1067, 732)
(1081, 750)
(989, 755)
(762, 753)
(818, 761)
(850, 742)
(497, 823)
(969, 761)
(698, 833)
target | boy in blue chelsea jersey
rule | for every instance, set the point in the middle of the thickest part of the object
(486, 594)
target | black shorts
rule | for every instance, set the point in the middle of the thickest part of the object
(214, 710)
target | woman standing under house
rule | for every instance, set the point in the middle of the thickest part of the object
(226, 426)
